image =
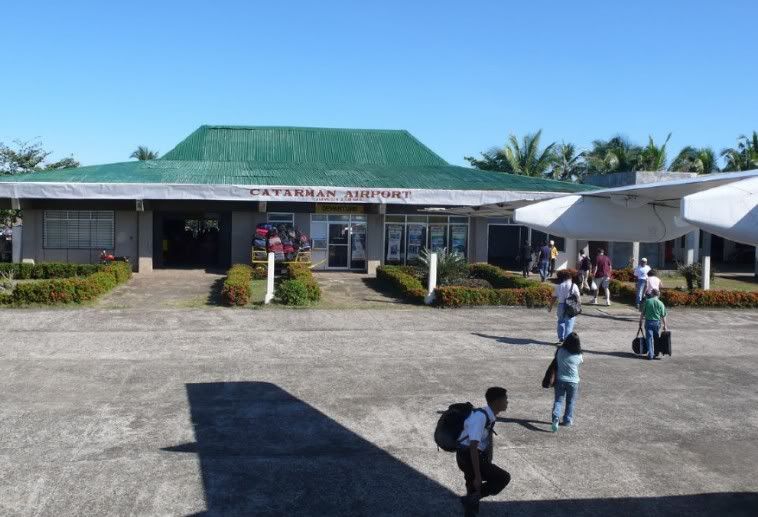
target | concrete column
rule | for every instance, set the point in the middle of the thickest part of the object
(572, 254)
(145, 243)
(635, 254)
(16, 241)
(432, 285)
(706, 260)
(374, 239)
(692, 247)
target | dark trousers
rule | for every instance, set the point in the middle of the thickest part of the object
(552, 266)
(494, 479)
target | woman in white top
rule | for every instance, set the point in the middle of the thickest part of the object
(653, 282)
(565, 288)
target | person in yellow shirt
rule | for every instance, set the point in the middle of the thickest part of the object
(553, 256)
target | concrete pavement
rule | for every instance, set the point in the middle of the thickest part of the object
(317, 412)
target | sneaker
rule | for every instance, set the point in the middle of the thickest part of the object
(565, 424)
(608, 303)
(554, 427)
(593, 302)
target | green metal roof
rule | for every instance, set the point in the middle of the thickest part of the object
(303, 145)
(223, 155)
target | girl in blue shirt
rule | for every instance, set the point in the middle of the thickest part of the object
(568, 359)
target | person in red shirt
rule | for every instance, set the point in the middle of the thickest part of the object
(601, 275)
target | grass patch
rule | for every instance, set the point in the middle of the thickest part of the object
(726, 283)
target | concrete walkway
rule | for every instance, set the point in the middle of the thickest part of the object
(166, 288)
(324, 412)
(340, 290)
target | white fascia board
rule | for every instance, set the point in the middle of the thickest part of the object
(163, 191)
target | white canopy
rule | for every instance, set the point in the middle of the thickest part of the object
(723, 204)
(730, 210)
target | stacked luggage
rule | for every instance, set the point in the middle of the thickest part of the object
(283, 240)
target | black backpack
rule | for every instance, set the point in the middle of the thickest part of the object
(573, 305)
(450, 425)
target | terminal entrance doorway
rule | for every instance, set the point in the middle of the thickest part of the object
(192, 240)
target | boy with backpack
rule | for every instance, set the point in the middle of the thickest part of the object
(468, 432)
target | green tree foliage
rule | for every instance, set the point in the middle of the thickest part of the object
(614, 155)
(525, 157)
(143, 153)
(691, 159)
(744, 156)
(26, 157)
(568, 165)
(652, 157)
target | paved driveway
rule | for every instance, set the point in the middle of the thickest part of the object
(238, 412)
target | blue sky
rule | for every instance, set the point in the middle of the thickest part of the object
(96, 79)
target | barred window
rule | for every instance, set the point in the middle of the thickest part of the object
(78, 229)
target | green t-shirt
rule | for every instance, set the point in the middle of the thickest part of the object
(653, 309)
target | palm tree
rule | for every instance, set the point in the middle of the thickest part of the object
(616, 154)
(143, 153)
(568, 164)
(652, 157)
(691, 159)
(744, 156)
(523, 158)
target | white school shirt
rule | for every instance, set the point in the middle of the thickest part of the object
(475, 429)
(653, 282)
(641, 272)
(566, 289)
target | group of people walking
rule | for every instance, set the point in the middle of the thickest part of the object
(474, 456)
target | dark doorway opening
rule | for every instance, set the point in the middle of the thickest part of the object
(504, 242)
(192, 240)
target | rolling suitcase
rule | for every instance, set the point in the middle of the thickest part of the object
(663, 343)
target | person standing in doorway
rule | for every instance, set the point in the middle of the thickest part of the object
(553, 256)
(544, 261)
(640, 274)
(584, 268)
(525, 256)
(602, 276)
(474, 455)
(568, 358)
(563, 290)
(652, 314)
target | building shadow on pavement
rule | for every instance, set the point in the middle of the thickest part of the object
(263, 451)
(514, 340)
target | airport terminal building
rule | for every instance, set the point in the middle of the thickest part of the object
(365, 197)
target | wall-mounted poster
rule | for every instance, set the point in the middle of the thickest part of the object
(358, 241)
(437, 236)
(415, 241)
(394, 236)
(458, 239)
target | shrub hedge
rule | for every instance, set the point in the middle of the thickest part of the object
(301, 272)
(452, 296)
(499, 278)
(623, 275)
(696, 298)
(76, 289)
(292, 292)
(44, 271)
(237, 289)
(401, 280)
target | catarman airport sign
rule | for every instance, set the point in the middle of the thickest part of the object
(329, 194)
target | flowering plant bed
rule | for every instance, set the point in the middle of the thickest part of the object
(626, 292)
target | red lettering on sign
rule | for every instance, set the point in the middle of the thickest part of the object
(255, 191)
(395, 194)
(309, 192)
(407, 194)
(331, 193)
